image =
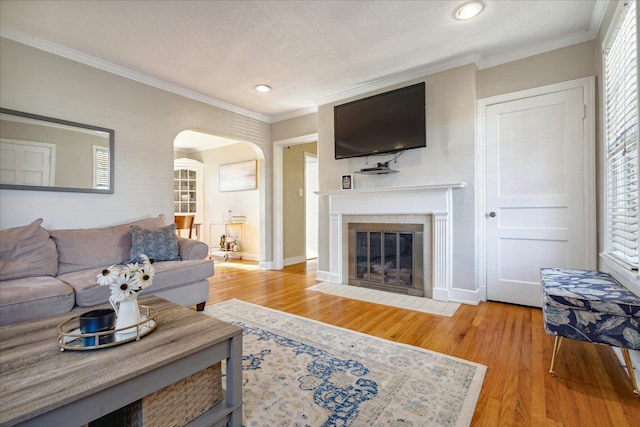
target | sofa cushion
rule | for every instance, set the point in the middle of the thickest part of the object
(27, 251)
(160, 245)
(168, 275)
(33, 298)
(98, 247)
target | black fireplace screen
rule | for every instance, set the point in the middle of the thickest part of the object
(385, 257)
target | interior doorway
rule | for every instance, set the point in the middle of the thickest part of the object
(280, 216)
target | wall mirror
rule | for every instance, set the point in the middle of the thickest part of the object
(47, 154)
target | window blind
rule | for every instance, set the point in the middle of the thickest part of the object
(621, 133)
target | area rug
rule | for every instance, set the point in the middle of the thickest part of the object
(300, 372)
(424, 305)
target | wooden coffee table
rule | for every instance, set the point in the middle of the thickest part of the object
(41, 385)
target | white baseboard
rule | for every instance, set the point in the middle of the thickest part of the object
(251, 256)
(326, 276)
(323, 276)
(465, 296)
(295, 260)
(266, 265)
(482, 293)
(440, 295)
(236, 255)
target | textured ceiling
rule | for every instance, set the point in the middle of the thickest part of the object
(310, 52)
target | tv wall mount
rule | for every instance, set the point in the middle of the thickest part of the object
(381, 169)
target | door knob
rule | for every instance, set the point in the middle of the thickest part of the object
(492, 214)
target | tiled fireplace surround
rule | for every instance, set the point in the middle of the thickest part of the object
(430, 205)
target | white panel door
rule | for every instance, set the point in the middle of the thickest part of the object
(26, 163)
(535, 192)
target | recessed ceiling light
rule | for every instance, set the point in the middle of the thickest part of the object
(468, 10)
(263, 88)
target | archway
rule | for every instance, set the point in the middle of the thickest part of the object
(212, 151)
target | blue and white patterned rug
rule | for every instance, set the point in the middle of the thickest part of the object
(300, 372)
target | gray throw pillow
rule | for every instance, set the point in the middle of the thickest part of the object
(27, 251)
(160, 245)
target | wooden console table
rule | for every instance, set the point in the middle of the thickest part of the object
(41, 385)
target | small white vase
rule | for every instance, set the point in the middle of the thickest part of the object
(128, 313)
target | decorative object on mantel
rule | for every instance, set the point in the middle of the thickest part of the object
(346, 182)
(126, 283)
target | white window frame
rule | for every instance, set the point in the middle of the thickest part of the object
(626, 272)
(101, 174)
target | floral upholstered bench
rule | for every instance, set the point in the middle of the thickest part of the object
(590, 306)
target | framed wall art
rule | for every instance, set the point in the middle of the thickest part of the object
(346, 181)
(239, 176)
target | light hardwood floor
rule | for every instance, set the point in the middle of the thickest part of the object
(590, 389)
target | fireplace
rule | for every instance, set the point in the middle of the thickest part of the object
(429, 205)
(387, 257)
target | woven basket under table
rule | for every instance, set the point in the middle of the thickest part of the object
(172, 406)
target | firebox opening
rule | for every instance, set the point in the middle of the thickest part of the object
(387, 257)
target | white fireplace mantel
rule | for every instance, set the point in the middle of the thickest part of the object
(435, 200)
(392, 189)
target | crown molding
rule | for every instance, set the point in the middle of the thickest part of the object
(590, 33)
(293, 114)
(472, 58)
(302, 139)
(516, 54)
(599, 10)
(398, 78)
(91, 61)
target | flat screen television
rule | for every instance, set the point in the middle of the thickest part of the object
(385, 123)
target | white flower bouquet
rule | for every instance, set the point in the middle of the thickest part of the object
(129, 280)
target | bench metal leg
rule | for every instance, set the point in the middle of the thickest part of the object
(632, 375)
(556, 349)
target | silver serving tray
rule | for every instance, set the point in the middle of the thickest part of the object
(70, 337)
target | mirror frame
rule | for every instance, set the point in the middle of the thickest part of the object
(110, 132)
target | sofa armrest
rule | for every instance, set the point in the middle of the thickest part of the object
(192, 249)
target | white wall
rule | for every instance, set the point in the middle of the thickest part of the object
(449, 157)
(146, 121)
(451, 98)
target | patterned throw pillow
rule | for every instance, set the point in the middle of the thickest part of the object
(161, 244)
